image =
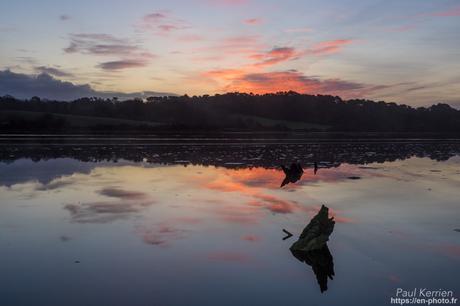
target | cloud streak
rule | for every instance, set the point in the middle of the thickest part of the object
(53, 71)
(275, 56)
(104, 212)
(116, 192)
(452, 12)
(329, 47)
(162, 23)
(122, 64)
(105, 45)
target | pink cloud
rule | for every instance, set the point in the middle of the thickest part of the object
(228, 2)
(244, 42)
(253, 21)
(452, 12)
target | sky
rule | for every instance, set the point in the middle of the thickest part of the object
(404, 51)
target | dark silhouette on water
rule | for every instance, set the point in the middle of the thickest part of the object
(311, 247)
(293, 173)
(315, 168)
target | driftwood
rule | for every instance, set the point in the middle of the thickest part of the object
(311, 247)
(316, 233)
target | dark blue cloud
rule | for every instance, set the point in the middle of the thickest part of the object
(43, 85)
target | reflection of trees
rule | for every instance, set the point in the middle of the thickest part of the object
(235, 156)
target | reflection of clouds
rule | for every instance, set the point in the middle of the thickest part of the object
(249, 182)
(55, 184)
(189, 220)
(273, 204)
(256, 183)
(413, 240)
(447, 249)
(44, 172)
(104, 212)
(238, 214)
(229, 256)
(64, 238)
(394, 278)
(116, 192)
(251, 238)
(160, 235)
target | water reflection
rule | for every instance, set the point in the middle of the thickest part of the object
(322, 263)
(145, 230)
(319, 155)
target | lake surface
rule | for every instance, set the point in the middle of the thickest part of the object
(125, 221)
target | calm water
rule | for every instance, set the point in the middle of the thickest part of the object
(176, 224)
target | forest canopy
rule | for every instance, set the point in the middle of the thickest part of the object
(234, 111)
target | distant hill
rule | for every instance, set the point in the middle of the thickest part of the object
(285, 111)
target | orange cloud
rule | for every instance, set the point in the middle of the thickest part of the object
(277, 81)
(256, 184)
(253, 78)
(273, 204)
(275, 56)
(329, 47)
(248, 182)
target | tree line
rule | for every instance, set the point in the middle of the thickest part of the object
(239, 111)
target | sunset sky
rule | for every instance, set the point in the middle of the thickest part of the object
(406, 51)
